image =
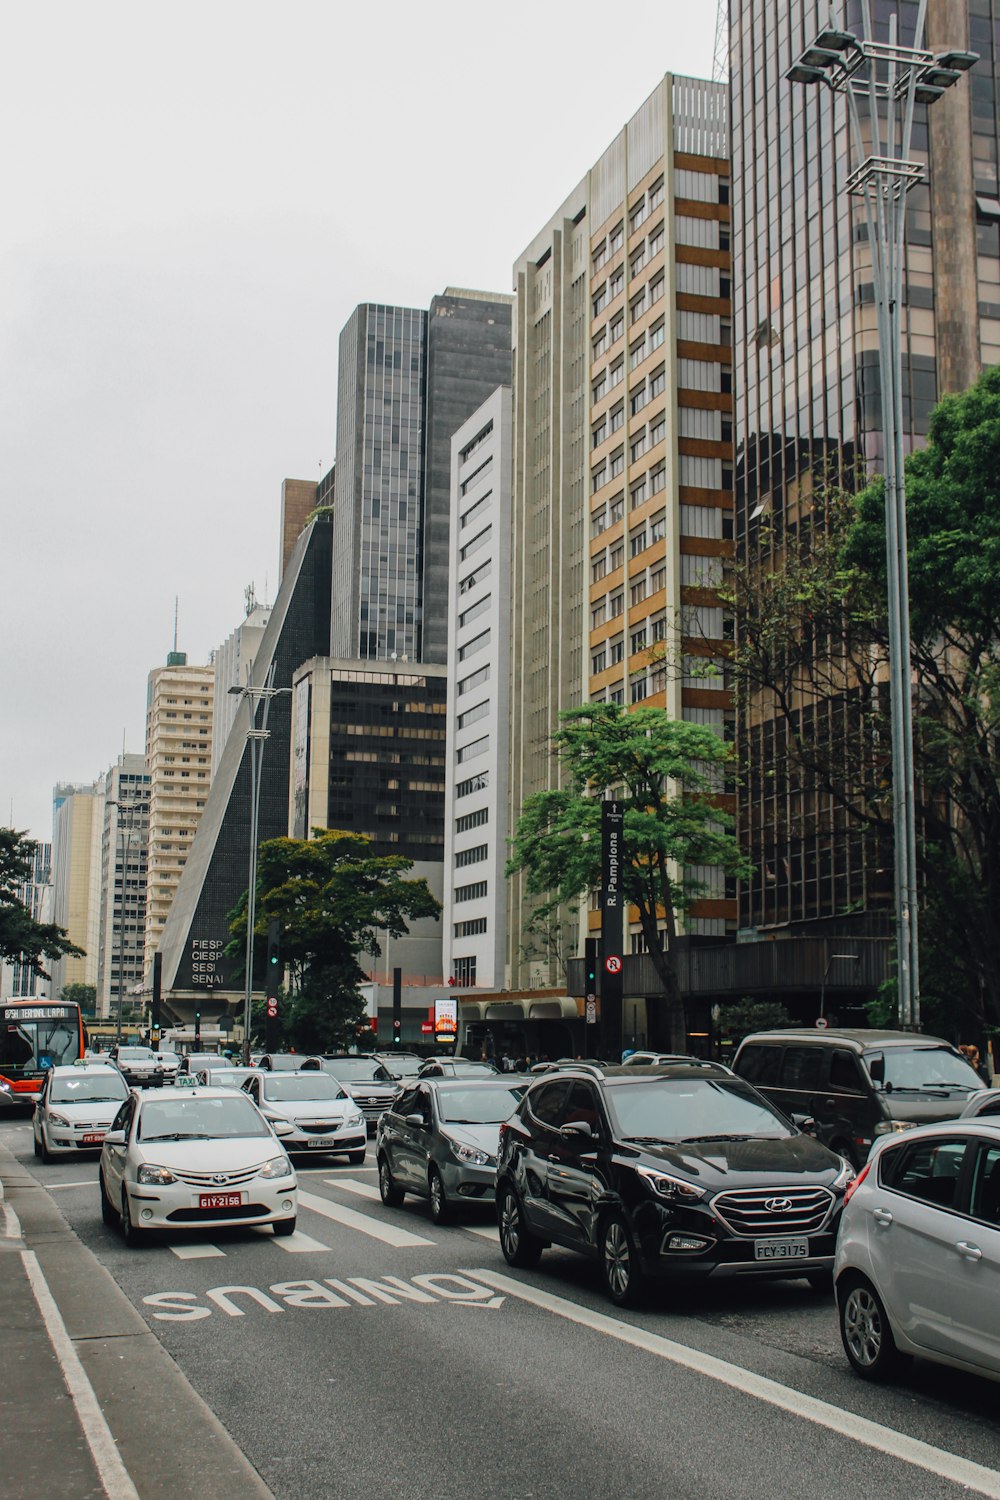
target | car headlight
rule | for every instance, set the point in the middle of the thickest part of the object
(893, 1127)
(845, 1175)
(5, 1087)
(278, 1166)
(673, 1188)
(355, 1119)
(58, 1120)
(472, 1155)
(154, 1176)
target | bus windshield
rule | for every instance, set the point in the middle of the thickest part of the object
(34, 1038)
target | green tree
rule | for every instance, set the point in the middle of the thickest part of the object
(22, 939)
(740, 1017)
(83, 995)
(669, 774)
(334, 900)
(812, 654)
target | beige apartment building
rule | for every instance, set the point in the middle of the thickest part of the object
(77, 826)
(622, 509)
(179, 707)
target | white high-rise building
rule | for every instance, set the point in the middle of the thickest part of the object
(475, 900)
(123, 883)
(232, 659)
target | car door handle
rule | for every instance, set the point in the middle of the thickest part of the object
(967, 1251)
(882, 1216)
(555, 1160)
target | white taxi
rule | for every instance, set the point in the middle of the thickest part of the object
(194, 1158)
(76, 1107)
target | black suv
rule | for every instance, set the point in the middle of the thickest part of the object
(682, 1171)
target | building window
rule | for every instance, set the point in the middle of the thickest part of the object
(617, 463)
(475, 610)
(657, 431)
(616, 374)
(600, 386)
(599, 433)
(638, 399)
(616, 238)
(638, 260)
(656, 335)
(637, 542)
(470, 892)
(473, 715)
(638, 591)
(616, 282)
(597, 615)
(617, 555)
(464, 970)
(479, 576)
(657, 382)
(656, 194)
(598, 477)
(471, 648)
(656, 289)
(637, 353)
(638, 690)
(658, 527)
(656, 241)
(638, 447)
(638, 641)
(600, 300)
(474, 784)
(472, 928)
(638, 215)
(637, 306)
(618, 416)
(638, 493)
(616, 605)
(616, 651)
(600, 343)
(616, 509)
(473, 750)
(598, 662)
(474, 856)
(600, 255)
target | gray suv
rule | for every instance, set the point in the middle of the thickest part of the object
(857, 1085)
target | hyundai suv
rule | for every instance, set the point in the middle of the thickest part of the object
(677, 1171)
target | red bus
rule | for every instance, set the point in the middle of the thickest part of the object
(36, 1035)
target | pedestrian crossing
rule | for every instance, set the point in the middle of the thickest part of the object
(383, 1229)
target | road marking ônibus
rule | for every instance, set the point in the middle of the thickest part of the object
(429, 1289)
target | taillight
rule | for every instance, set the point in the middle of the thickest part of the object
(852, 1187)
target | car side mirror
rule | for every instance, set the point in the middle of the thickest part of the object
(578, 1130)
(417, 1121)
(805, 1123)
(114, 1138)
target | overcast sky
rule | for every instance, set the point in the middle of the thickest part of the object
(194, 199)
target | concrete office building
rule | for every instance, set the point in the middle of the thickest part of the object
(474, 922)
(622, 499)
(179, 702)
(232, 662)
(17, 981)
(124, 840)
(807, 382)
(77, 824)
(407, 379)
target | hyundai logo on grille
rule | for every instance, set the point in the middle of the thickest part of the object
(777, 1205)
(220, 1177)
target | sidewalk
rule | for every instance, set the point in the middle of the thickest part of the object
(91, 1405)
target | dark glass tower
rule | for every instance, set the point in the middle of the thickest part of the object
(806, 372)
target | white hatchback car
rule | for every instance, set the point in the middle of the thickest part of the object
(76, 1107)
(917, 1268)
(318, 1111)
(194, 1158)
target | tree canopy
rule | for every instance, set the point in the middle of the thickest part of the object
(334, 900)
(22, 938)
(813, 652)
(669, 774)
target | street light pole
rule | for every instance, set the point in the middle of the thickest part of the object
(256, 740)
(892, 79)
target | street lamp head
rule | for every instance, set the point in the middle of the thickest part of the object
(963, 61)
(799, 73)
(832, 40)
(926, 93)
(939, 78)
(817, 56)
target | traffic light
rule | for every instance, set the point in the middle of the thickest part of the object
(272, 980)
(397, 1032)
(197, 1029)
(590, 950)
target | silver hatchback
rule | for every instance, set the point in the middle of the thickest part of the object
(917, 1268)
(439, 1140)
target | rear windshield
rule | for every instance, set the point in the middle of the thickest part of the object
(693, 1109)
(478, 1106)
(919, 1068)
(88, 1088)
(192, 1117)
(356, 1069)
(303, 1087)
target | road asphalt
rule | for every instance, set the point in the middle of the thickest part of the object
(93, 1406)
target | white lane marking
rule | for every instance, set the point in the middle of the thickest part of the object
(488, 1232)
(297, 1243)
(362, 1189)
(196, 1252)
(938, 1461)
(54, 1187)
(113, 1474)
(378, 1229)
(325, 1171)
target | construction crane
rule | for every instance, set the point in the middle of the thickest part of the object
(720, 55)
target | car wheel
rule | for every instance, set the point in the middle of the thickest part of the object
(392, 1196)
(866, 1334)
(132, 1236)
(283, 1227)
(624, 1278)
(441, 1210)
(847, 1151)
(520, 1247)
(108, 1211)
(44, 1152)
(357, 1158)
(34, 1142)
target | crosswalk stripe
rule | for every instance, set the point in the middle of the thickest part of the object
(297, 1243)
(488, 1232)
(196, 1252)
(362, 1189)
(378, 1229)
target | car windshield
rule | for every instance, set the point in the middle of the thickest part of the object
(88, 1088)
(169, 1059)
(193, 1117)
(693, 1109)
(921, 1067)
(478, 1106)
(282, 1062)
(356, 1069)
(135, 1054)
(308, 1086)
(403, 1067)
(222, 1078)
